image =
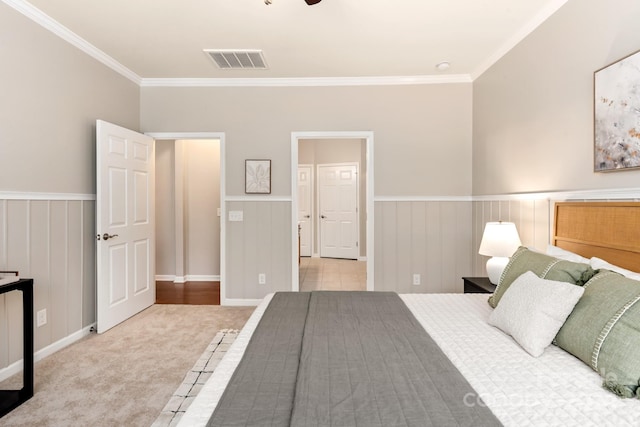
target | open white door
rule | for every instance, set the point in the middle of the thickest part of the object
(338, 207)
(304, 208)
(125, 221)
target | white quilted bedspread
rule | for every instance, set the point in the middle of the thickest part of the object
(555, 389)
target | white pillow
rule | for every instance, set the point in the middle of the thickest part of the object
(566, 255)
(533, 310)
(597, 263)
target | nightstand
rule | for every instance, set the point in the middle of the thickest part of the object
(478, 285)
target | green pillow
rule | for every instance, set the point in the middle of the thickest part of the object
(544, 266)
(604, 331)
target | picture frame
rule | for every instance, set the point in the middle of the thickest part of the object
(616, 115)
(257, 176)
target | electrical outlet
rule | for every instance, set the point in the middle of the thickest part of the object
(236, 216)
(262, 279)
(42, 317)
(416, 279)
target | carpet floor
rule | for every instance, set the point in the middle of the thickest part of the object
(126, 376)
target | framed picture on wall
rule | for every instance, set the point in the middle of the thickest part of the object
(617, 115)
(257, 176)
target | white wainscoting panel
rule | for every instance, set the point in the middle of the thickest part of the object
(260, 243)
(53, 242)
(429, 238)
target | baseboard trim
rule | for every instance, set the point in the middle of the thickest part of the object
(17, 367)
(240, 302)
(202, 278)
(188, 278)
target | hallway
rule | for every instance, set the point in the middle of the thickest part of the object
(329, 274)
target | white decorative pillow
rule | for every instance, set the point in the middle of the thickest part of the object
(566, 255)
(533, 310)
(597, 264)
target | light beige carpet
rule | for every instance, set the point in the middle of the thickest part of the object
(126, 376)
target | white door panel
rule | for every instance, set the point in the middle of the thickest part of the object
(125, 178)
(305, 180)
(338, 199)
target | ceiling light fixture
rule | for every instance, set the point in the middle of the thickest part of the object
(443, 66)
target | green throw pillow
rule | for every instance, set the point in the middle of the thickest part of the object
(544, 266)
(604, 331)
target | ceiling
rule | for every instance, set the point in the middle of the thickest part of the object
(164, 39)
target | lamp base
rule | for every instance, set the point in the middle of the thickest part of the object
(495, 267)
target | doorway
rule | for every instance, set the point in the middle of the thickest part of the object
(189, 206)
(329, 149)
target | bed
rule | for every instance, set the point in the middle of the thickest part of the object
(554, 388)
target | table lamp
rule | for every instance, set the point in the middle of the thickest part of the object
(499, 241)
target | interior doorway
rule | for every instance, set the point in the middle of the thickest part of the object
(313, 152)
(189, 206)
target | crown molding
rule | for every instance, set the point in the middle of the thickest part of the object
(520, 35)
(66, 34)
(72, 38)
(306, 81)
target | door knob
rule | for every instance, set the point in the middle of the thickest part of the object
(322, 216)
(307, 216)
(107, 236)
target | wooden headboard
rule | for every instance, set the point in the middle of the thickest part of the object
(607, 230)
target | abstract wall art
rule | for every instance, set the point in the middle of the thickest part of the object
(617, 115)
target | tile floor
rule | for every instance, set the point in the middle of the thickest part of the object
(328, 274)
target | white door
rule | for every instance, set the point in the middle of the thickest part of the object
(125, 253)
(338, 210)
(304, 209)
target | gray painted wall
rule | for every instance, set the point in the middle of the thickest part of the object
(533, 118)
(422, 133)
(422, 137)
(533, 110)
(52, 94)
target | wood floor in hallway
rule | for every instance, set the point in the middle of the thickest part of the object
(196, 293)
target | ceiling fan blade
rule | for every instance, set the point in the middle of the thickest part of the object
(312, 2)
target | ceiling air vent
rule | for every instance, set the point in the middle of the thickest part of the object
(228, 59)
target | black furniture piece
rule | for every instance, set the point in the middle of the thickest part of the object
(11, 399)
(478, 285)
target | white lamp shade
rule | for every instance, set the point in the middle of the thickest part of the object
(500, 239)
